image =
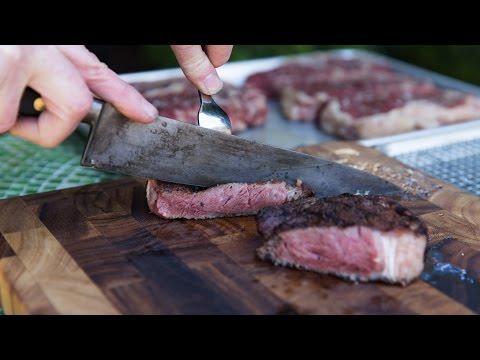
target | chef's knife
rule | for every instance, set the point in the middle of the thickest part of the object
(174, 151)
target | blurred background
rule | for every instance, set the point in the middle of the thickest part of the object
(459, 61)
(27, 169)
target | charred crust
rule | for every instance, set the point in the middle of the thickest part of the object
(377, 212)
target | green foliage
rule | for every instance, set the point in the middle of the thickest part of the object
(245, 52)
(459, 61)
(157, 56)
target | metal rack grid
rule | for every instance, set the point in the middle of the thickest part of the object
(456, 163)
(28, 169)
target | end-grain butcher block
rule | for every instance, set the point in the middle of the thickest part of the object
(173, 201)
(178, 99)
(355, 237)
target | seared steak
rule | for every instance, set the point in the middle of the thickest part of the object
(178, 99)
(355, 237)
(173, 201)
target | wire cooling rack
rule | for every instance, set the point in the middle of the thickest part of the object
(456, 163)
(28, 169)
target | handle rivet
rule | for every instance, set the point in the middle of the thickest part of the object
(39, 104)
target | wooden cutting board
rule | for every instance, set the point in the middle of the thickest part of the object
(97, 250)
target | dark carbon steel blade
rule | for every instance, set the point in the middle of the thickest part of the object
(173, 151)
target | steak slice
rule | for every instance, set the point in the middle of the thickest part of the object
(173, 201)
(178, 99)
(397, 113)
(360, 238)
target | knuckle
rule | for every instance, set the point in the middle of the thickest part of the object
(90, 57)
(77, 108)
(184, 48)
(84, 104)
(80, 107)
(97, 70)
(125, 89)
(197, 67)
(11, 54)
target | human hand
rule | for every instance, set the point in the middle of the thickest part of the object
(65, 76)
(199, 66)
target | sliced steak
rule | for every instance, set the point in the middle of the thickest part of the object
(178, 99)
(173, 201)
(355, 237)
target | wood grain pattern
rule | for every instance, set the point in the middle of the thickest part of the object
(97, 249)
(21, 294)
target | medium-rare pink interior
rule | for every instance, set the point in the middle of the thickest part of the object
(173, 201)
(355, 237)
(355, 252)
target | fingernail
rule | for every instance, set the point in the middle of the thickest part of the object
(213, 83)
(149, 109)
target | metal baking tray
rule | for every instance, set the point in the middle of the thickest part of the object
(278, 131)
(425, 149)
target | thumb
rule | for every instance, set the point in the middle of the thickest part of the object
(197, 68)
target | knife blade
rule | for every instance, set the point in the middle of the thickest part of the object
(174, 151)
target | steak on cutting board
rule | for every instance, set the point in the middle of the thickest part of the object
(174, 201)
(178, 99)
(355, 237)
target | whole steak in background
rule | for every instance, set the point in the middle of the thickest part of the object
(178, 99)
(356, 99)
(316, 69)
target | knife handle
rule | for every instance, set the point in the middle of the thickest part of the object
(31, 104)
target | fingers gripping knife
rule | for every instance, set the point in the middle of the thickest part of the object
(174, 151)
(210, 115)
